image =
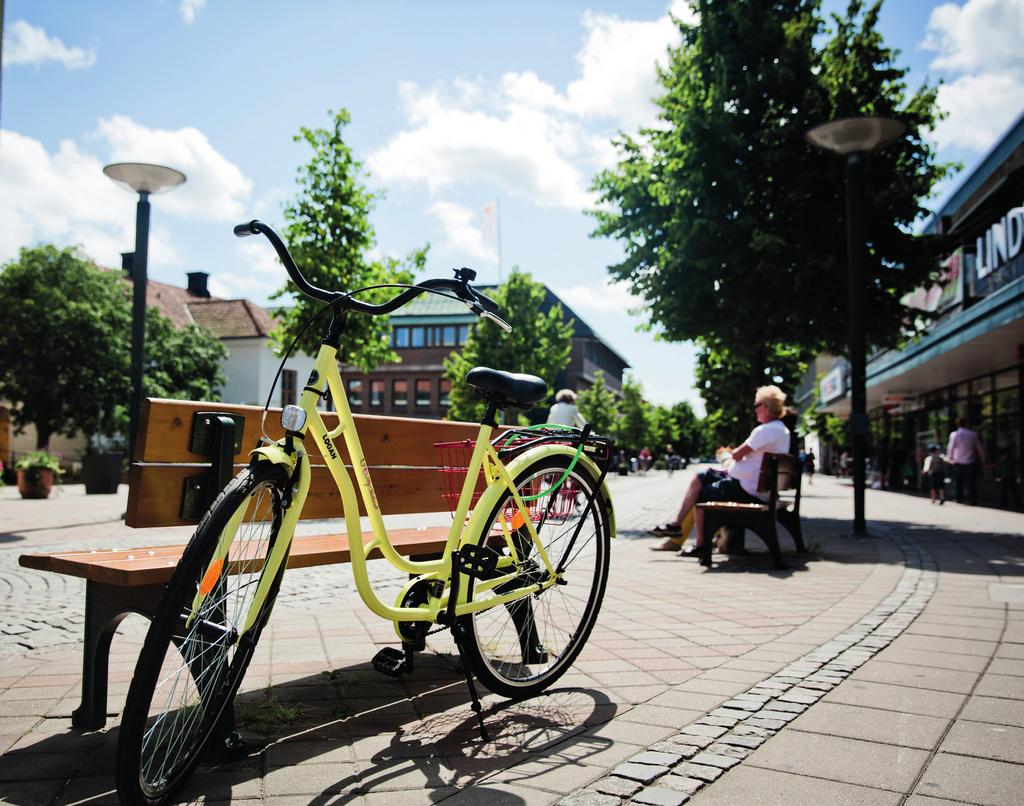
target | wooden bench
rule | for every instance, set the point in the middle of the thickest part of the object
(186, 452)
(780, 479)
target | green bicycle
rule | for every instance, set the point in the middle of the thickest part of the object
(519, 584)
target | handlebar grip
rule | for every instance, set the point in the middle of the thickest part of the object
(247, 229)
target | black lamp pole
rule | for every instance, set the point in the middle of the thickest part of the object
(145, 179)
(855, 138)
(139, 280)
(858, 344)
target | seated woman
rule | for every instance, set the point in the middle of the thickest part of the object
(738, 482)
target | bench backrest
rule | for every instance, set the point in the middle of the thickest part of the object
(399, 451)
(779, 473)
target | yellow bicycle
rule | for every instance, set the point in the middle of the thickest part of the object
(519, 584)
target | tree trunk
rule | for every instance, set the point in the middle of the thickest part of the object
(43, 434)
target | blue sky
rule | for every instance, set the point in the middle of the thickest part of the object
(453, 105)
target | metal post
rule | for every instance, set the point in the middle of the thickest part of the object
(858, 346)
(139, 261)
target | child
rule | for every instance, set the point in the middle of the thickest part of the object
(935, 471)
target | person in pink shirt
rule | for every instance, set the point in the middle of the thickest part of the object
(965, 452)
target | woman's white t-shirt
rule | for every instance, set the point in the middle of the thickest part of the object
(770, 437)
(565, 414)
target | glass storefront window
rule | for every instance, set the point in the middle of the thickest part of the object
(399, 394)
(1007, 401)
(1008, 380)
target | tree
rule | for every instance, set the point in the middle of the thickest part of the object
(65, 347)
(539, 343)
(599, 406)
(690, 437)
(733, 226)
(330, 236)
(633, 430)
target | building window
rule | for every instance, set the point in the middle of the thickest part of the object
(463, 334)
(418, 336)
(355, 393)
(444, 390)
(422, 393)
(399, 395)
(449, 336)
(401, 336)
(289, 387)
(376, 394)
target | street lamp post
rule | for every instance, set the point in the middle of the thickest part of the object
(145, 180)
(855, 138)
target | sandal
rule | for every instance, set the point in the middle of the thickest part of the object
(666, 530)
(692, 551)
(668, 544)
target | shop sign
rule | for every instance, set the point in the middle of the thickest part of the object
(1000, 243)
(948, 291)
(831, 385)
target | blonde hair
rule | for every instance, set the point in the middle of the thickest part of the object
(773, 397)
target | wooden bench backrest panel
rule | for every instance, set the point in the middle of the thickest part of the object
(787, 473)
(155, 493)
(399, 451)
(166, 428)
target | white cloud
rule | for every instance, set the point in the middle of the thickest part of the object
(610, 297)
(216, 188)
(261, 276)
(524, 136)
(978, 47)
(26, 44)
(63, 197)
(189, 9)
(463, 231)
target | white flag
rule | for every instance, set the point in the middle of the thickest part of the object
(489, 221)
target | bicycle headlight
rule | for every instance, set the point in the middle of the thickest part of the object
(293, 418)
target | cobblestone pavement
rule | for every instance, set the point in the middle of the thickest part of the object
(874, 671)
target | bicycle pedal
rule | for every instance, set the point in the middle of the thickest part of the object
(391, 661)
(476, 561)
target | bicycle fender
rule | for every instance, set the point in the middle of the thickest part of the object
(491, 495)
(277, 455)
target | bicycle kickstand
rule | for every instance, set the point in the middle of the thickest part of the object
(459, 634)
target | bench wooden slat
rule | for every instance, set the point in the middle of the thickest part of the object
(156, 492)
(149, 566)
(166, 429)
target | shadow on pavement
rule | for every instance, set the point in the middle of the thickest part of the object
(334, 737)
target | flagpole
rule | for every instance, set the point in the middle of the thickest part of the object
(497, 213)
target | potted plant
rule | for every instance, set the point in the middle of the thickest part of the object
(37, 473)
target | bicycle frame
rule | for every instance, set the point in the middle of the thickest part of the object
(289, 453)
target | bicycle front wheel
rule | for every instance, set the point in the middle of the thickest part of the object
(521, 648)
(193, 658)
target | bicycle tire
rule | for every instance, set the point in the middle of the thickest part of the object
(547, 630)
(209, 664)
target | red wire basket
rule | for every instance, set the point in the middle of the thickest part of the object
(554, 508)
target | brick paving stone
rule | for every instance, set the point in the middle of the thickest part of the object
(585, 798)
(778, 716)
(683, 750)
(659, 796)
(711, 731)
(716, 760)
(680, 783)
(704, 772)
(644, 773)
(752, 742)
(789, 707)
(729, 750)
(614, 785)
(655, 757)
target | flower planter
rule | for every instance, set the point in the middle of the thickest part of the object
(35, 482)
(101, 472)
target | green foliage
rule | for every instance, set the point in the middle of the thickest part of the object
(539, 343)
(599, 406)
(329, 235)
(65, 367)
(633, 430)
(734, 227)
(690, 438)
(67, 347)
(34, 460)
(829, 428)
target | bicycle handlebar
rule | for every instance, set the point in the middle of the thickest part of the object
(461, 286)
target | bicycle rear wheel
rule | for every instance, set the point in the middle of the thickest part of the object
(521, 648)
(191, 665)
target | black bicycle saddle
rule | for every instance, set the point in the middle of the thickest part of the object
(507, 389)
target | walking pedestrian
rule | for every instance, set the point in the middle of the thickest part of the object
(564, 412)
(934, 471)
(965, 453)
(809, 461)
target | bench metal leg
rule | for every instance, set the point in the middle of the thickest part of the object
(106, 607)
(792, 523)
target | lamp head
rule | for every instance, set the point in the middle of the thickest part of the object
(141, 177)
(850, 135)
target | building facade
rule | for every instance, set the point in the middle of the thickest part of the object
(429, 329)
(968, 361)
